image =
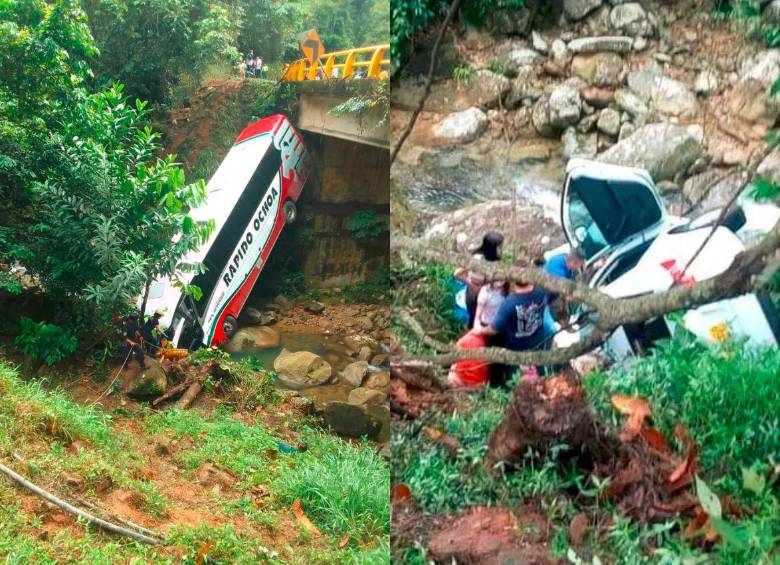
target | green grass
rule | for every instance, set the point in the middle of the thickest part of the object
(343, 486)
(431, 290)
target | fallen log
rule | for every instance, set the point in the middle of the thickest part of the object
(171, 392)
(108, 526)
(190, 395)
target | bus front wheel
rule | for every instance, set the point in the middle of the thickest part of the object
(290, 212)
(229, 326)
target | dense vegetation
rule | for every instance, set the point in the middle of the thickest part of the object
(88, 206)
(151, 45)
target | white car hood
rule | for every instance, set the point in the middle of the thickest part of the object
(668, 255)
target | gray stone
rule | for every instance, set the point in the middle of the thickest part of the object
(540, 117)
(763, 68)
(706, 82)
(609, 122)
(515, 58)
(640, 44)
(587, 123)
(315, 307)
(247, 340)
(362, 396)
(663, 149)
(301, 369)
(355, 372)
(666, 95)
(365, 353)
(642, 82)
(673, 98)
(612, 43)
(145, 384)
(630, 18)
(559, 51)
(564, 106)
(629, 102)
(599, 69)
(697, 186)
(461, 127)
(523, 88)
(579, 145)
(350, 420)
(626, 130)
(578, 9)
(538, 42)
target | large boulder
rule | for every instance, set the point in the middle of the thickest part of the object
(751, 100)
(663, 149)
(253, 338)
(355, 372)
(461, 127)
(301, 369)
(599, 69)
(565, 106)
(145, 384)
(612, 43)
(665, 95)
(481, 90)
(363, 396)
(256, 317)
(631, 19)
(578, 9)
(351, 420)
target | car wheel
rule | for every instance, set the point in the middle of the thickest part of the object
(229, 326)
(290, 212)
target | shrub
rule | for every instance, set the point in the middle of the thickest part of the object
(44, 342)
(365, 224)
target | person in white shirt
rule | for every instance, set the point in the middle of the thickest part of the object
(489, 300)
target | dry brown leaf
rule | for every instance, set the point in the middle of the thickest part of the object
(637, 409)
(683, 473)
(344, 541)
(655, 439)
(434, 433)
(203, 552)
(400, 493)
(303, 519)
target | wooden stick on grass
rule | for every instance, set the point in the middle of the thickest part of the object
(108, 526)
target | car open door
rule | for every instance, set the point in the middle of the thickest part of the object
(605, 208)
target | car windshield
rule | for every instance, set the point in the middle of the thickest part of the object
(592, 241)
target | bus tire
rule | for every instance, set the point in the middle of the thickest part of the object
(290, 212)
(229, 326)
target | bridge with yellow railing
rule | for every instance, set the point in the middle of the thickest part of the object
(363, 62)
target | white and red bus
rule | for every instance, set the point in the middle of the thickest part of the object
(251, 197)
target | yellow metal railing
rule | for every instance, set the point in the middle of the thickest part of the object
(364, 62)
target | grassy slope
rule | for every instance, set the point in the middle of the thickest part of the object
(343, 486)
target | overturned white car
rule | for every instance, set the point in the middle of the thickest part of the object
(633, 247)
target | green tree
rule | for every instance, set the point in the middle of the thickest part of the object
(116, 216)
